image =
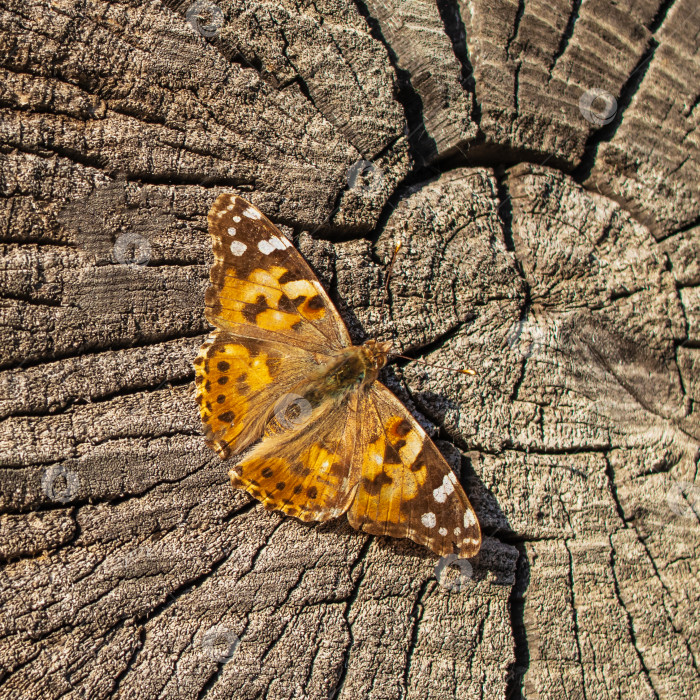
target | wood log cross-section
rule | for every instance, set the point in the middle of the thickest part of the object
(539, 164)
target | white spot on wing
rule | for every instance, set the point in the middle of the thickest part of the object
(452, 477)
(442, 492)
(457, 531)
(469, 519)
(252, 213)
(442, 531)
(428, 519)
(238, 248)
(277, 242)
(232, 231)
(265, 247)
(237, 219)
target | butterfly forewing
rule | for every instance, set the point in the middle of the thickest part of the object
(407, 489)
(261, 287)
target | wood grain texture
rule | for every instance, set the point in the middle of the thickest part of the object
(415, 34)
(554, 254)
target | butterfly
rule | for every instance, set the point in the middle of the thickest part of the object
(281, 374)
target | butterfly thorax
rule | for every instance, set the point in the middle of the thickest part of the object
(352, 368)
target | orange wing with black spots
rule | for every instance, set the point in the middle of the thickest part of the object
(261, 287)
(238, 382)
(274, 324)
(406, 487)
(307, 472)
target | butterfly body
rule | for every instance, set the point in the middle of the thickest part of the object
(281, 371)
(353, 369)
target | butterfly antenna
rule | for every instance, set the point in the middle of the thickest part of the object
(431, 364)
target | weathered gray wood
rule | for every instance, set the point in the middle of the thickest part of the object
(650, 159)
(555, 255)
(415, 34)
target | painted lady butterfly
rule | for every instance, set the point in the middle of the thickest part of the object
(280, 366)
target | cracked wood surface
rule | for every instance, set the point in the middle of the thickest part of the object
(553, 250)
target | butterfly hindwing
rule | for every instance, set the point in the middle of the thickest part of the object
(305, 470)
(261, 287)
(238, 382)
(406, 488)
